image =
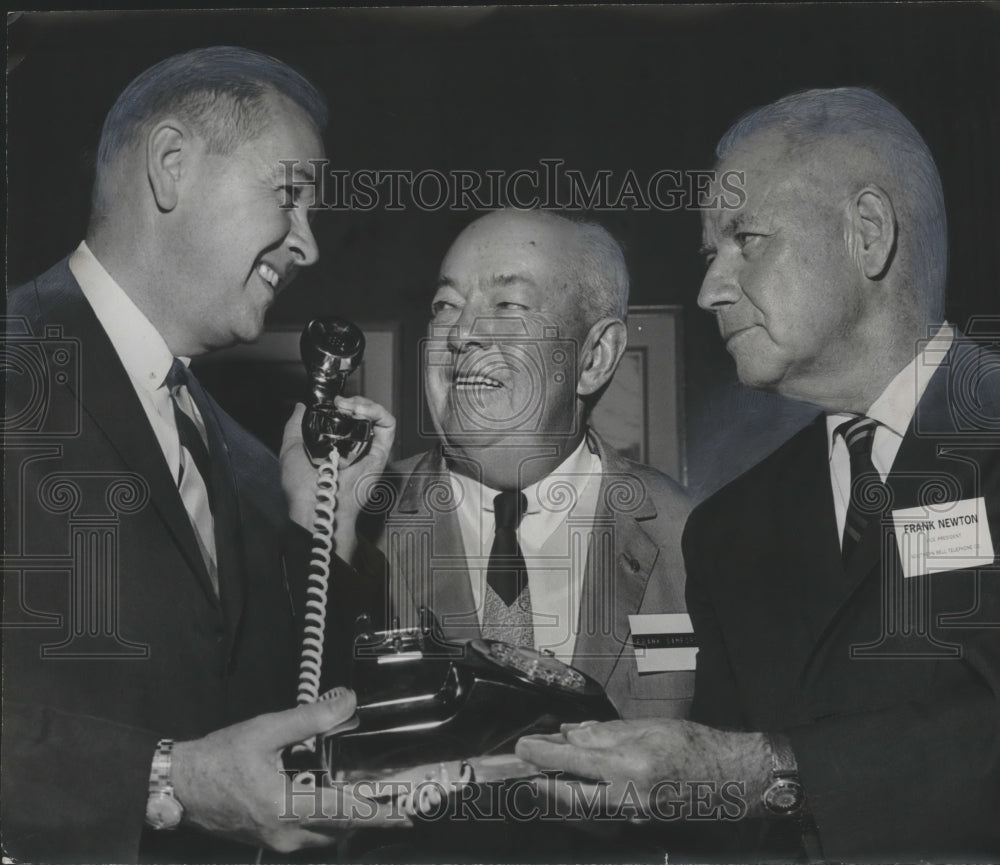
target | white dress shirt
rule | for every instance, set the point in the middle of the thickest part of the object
(894, 409)
(147, 359)
(554, 536)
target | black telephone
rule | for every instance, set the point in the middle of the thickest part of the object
(420, 698)
(332, 349)
(423, 699)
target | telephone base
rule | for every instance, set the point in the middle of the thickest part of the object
(422, 699)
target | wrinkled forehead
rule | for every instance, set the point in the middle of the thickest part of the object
(505, 249)
(758, 177)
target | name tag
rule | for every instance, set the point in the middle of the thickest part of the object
(948, 537)
(663, 642)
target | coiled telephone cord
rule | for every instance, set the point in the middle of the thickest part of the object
(311, 663)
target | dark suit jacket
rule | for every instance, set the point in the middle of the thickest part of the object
(888, 688)
(113, 636)
(635, 568)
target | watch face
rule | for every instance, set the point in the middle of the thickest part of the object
(784, 796)
(163, 811)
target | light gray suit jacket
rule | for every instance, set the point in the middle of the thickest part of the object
(633, 565)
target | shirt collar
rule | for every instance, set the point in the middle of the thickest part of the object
(575, 470)
(139, 345)
(895, 406)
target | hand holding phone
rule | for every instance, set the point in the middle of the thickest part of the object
(332, 348)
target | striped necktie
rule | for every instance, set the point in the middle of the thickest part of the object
(194, 480)
(867, 490)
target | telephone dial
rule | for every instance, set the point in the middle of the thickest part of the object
(420, 698)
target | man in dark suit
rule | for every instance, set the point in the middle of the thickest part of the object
(147, 586)
(526, 332)
(844, 591)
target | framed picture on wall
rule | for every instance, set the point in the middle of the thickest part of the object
(260, 383)
(641, 414)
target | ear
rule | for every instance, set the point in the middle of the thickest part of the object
(167, 146)
(873, 231)
(603, 348)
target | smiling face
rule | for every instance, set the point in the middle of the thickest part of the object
(780, 278)
(502, 357)
(233, 244)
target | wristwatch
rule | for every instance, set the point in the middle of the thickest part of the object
(163, 810)
(784, 796)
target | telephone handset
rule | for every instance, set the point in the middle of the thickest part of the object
(331, 350)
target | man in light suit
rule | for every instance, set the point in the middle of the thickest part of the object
(526, 332)
(844, 591)
(149, 559)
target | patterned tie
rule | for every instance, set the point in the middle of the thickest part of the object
(867, 489)
(187, 429)
(507, 608)
(194, 481)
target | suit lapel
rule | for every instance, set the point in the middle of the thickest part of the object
(812, 579)
(107, 395)
(425, 527)
(620, 558)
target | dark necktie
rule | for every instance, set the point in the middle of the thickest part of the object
(507, 574)
(190, 436)
(194, 482)
(867, 490)
(507, 612)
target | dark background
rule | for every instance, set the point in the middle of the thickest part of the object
(478, 88)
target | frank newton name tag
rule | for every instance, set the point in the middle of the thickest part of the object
(950, 536)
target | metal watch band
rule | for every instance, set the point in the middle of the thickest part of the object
(163, 810)
(159, 773)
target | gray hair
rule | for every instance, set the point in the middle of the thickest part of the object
(221, 92)
(595, 267)
(811, 118)
(601, 272)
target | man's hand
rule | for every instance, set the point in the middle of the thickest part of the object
(231, 783)
(299, 475)
(656, 767)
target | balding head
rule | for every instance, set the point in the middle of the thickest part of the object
(590, 261)
(527, 330)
